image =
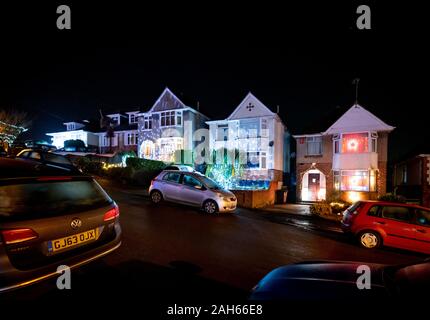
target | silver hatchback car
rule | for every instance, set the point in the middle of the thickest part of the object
(191, 188)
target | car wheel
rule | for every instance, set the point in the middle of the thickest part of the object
(210, 207)
(369, 239)
(156, 196)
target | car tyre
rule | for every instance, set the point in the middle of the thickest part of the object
(369, 239)
(156, 197)
(210, 207)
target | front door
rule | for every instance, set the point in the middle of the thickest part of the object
(314, 186)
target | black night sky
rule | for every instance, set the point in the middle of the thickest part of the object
(117, 57)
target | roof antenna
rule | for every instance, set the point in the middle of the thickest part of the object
(355, 82)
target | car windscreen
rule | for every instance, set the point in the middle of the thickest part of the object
(38, 199)
(209, 183)
(50, 157)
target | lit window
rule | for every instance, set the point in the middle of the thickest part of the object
(168, 118)
(133, 118)
(355, 180)
(263, 160)
(355, 143)
(314, 145)
(222, 132)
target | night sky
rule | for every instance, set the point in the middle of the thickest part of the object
(118, 57)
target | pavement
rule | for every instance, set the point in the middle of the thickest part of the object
(176, 253)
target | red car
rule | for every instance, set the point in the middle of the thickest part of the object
(377, 223)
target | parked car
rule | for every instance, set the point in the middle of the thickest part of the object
(49, 218)
(46, 158)
(180, 167)
(191, 188)
(377, 223)
(337, 280)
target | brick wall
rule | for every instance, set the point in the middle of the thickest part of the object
(381, 178)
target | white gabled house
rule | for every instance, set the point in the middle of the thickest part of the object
(259, 134)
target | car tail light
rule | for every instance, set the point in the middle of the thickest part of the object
(18, 235)
(111, 214)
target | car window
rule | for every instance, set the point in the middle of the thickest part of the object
(396, 213)
(43, 199)
(172, 177)
(171, 168)
(373, 211)
(191, 181)
(25, 154)
(423, 217)
(35, 155)
(56, 158)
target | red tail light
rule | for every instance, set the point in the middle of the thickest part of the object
(18, 235)
(111, 214)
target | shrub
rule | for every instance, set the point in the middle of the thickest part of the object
(390, 197)
(88, 166)
(145, 164)
(321, 208)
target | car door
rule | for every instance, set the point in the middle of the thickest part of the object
(397, 223)
(171, 186)
(422, 229)
(192, 190)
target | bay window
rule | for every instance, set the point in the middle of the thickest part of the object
(355, 180)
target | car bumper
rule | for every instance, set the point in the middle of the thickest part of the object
(226, 206)
(12, 278)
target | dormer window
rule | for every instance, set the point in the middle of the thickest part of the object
(133, 118)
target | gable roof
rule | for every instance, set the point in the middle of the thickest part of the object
(250, 107)
(167, 101)
(358, 119)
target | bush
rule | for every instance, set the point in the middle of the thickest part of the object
(145, 164)
(88, 166)
(390, 197)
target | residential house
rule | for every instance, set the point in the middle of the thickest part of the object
(96, 139)
(77, 130)
(165, 131)
(411, 179)
(348, 156)
(260, 135)
(125, 133)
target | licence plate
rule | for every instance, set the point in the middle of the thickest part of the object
(72, 241)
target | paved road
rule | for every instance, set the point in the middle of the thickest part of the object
(175, 252)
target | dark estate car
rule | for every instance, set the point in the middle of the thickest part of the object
(48, 218)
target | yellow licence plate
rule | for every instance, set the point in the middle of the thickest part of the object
(74, 240)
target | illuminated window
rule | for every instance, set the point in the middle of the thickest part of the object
(314, 145)
(374, 146)
(355, 143)
(336, 176)
(357, 180)
(336, 143)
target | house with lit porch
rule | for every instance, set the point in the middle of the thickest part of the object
(348, 155)
(165, 131)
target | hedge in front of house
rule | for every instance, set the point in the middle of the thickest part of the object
(390, 197)
(145, 164)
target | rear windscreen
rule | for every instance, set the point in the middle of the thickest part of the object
(40, 199)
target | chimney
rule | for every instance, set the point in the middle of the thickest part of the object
(277, 108)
